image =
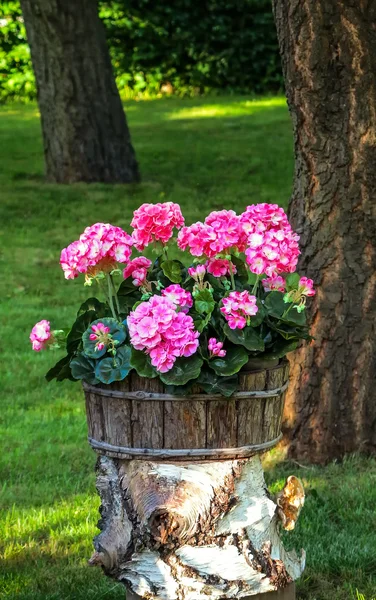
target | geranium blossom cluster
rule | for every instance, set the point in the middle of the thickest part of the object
(272, 245)
(138, 270)
(99, 248)
(275, 283)
(216, 348)
(219, 267)
(41, 335)
(178, 296)
(155, 223)
(219, 233)
(163, 333)
(99, 335)
(238, 307)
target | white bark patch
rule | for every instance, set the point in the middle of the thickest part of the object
(254, 508)
(226, 563)
(148, 575)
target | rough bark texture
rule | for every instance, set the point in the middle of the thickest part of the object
(85, 133)
(193, 531)
(329, 59)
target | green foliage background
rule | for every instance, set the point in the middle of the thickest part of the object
(180, 46)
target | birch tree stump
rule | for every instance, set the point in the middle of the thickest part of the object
(185, 511)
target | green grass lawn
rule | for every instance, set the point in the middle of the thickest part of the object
(205, 154)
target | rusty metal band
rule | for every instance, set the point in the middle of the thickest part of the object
(165, 453)
(140, 395)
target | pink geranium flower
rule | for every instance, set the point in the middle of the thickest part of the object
(219, 267)
(41, 335)
(220, 232)
(272, 245)
(306, 287)
(138, 270)
(216, 348)
(155, 223)
(274, 283)
(163, 333)
(238, 307)
(100, 335)
(178, 296)
(98, 249)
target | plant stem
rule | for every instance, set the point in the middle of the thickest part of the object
(115, 295)
(287, 310)
(165, 252)
(254, 289)
(110, 299)
(231, 274)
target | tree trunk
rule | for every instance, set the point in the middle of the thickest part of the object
(329, 60)
(194, 531)
(85, 133)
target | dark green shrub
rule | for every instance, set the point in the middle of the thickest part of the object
(184, 47)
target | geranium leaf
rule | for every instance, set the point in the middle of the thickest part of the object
(231, 363)
(74, 339)
(183, 371)
(247, 337)
(292, 281)
(100, 308)
(172, 269)
(211, 383)
(204, 302)
(114, 368)
(141, 363)
(83, 367)
(61, 370)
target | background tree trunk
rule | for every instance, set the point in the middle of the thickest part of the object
(85, 133)
(329, 60)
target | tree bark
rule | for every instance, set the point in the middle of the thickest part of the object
(85, 133)
(194, 531)
(328, 54)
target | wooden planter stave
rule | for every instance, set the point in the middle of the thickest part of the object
(135, 418)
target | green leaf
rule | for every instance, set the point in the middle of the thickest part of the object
(275, 305)
(201, 323)
(172, 269)
(83, 367)
(74, 339)
(183, 370)
(258, 318)
(126, 287)
(114, 368)
(241, 269)
(180, 390)
(247, 337)
(100, 308)
(211, 383)
(204, 302)
(231, 363)
(292, 281)
(117, 332)
(61, 370)
(141, 363)
(280, 348)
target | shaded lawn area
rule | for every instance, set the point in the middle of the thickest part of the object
(206, 154)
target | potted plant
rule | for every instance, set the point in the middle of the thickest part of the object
(182, 356)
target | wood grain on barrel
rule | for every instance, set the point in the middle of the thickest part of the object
(185, 424)
(197, 422)
(147, 416)
(221, 424)
(251, 411)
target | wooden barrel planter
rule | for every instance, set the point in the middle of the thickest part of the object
(185, 512)
(136, 418)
